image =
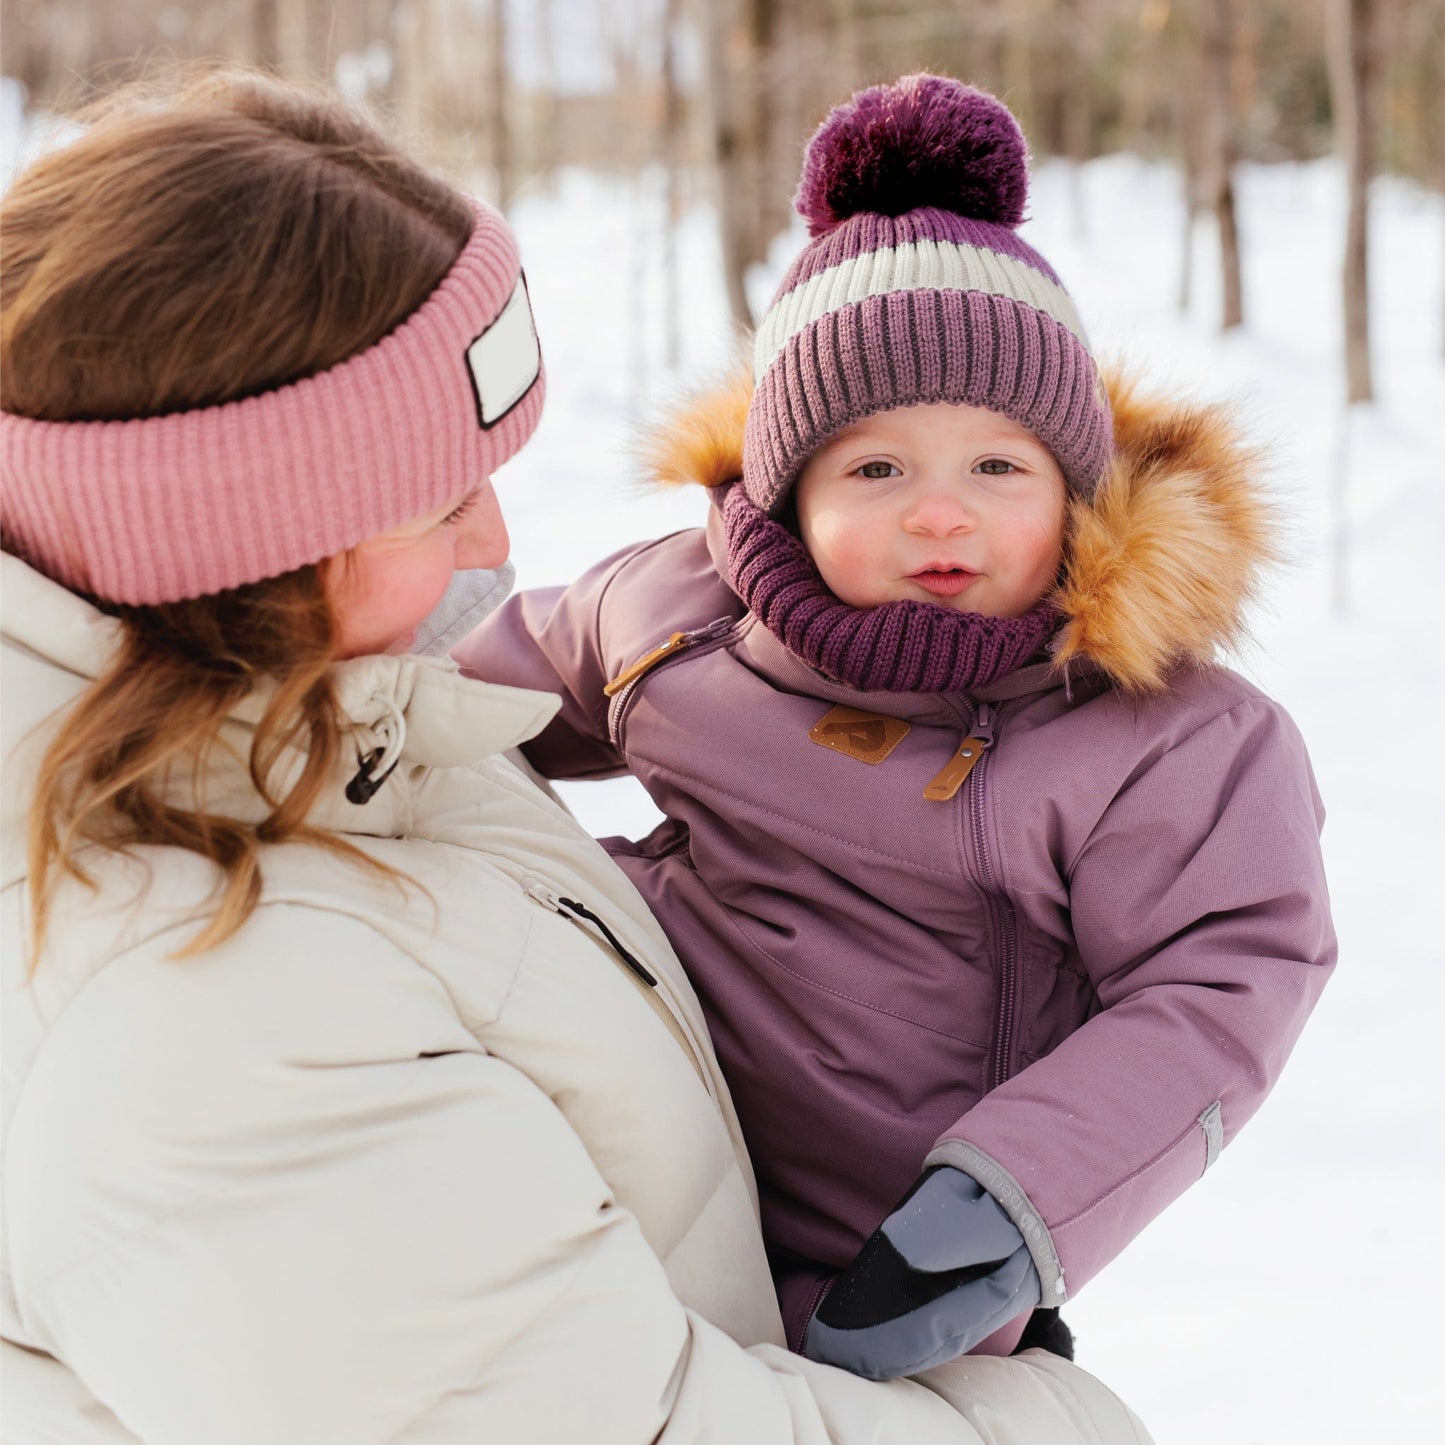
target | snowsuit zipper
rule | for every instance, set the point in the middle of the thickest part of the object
(646, 981)
(1005, 922)
(814, 1300)
(623, 688)
(954, 773)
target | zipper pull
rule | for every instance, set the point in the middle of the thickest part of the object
(644, 664)
(538, 891)
(954, 773)
(674, 644)
(570, 908)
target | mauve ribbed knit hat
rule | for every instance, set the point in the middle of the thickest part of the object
(917, 288)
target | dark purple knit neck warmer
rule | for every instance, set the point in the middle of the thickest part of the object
(897, 647)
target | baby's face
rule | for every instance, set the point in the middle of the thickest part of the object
(949, 504)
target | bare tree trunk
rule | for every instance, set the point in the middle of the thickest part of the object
(991, 24)
(28, 56)
(1078, 104)
(733, 125)
(293, 33)
(1017, 59)
(1219, 163)
(409, 35)
(265, 41)
(1148, 76)
(673, 149)
(1186, 251)
(848, 59)
(548, 116)
(499, 130)
(1186, 120)
(1438, 71)
(760, 114)
(1352, 72)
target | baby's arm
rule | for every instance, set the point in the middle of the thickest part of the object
(1200, 910)
(550, 639)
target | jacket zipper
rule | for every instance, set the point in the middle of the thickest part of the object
(1007, 1010)
(624, 686)
(814, 1300)
(647, 982)
(954, 773)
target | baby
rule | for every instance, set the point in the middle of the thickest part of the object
(1003, 898)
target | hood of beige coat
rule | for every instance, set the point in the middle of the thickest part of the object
(415, 711)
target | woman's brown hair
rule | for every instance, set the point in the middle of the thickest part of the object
(198, 243)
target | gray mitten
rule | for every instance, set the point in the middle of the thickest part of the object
(944, 1271)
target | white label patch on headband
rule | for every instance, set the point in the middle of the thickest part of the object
(505, 359)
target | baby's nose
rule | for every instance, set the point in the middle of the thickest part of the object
(939, 513)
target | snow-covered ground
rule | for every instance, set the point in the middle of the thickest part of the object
(1285, 1299)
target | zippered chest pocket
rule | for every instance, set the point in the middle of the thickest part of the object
(623, 689)
(646, 981)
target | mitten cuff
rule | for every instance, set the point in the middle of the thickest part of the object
(960, 1154)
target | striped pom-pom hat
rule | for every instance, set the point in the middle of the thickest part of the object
(916, 287)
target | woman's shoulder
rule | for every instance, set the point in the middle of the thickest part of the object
(334, 955)
(140, 1084)
(151, 1085)
(332, 958)
(134, 1079)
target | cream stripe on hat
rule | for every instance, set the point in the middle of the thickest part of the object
(910, 266)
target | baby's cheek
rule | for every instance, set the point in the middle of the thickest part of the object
(1040, 546)
(850, 565)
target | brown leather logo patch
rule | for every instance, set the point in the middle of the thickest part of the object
(867, 736)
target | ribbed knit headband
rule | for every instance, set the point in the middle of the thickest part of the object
(165, 508)
(917, 288)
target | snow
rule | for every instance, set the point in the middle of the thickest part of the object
(1283, 1300)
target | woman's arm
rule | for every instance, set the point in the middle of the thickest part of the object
(281, 1193)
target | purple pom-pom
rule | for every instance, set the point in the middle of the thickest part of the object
(923, 141)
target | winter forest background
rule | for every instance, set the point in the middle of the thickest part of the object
(1247, 201)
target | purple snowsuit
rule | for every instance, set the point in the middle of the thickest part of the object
(1076, 979)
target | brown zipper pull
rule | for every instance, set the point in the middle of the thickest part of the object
(954, 773)
(643, 663)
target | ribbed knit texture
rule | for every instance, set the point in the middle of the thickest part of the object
(906, 348)
(897, 647)
(872, 232)
(166, 508)
(916, 288)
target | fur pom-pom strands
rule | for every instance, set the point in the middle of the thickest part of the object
(923, 141)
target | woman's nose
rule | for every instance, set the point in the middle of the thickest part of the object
(484, 541)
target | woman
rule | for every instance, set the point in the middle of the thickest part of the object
(351, 1093)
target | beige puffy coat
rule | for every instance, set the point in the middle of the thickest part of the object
(387, 1166)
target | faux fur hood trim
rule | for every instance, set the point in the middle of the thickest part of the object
(1162, 563)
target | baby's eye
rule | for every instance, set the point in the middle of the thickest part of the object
(877, 471)
(994, 467)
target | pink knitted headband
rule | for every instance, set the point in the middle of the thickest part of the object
(161, 509)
